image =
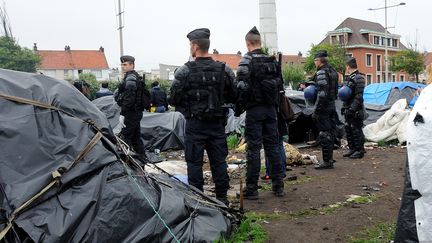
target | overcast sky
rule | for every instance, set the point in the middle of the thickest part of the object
(155, 31)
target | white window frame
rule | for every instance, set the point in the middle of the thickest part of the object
(380, 78)
(372, 56)
(371, 78)
(379, 64)
(393, 77)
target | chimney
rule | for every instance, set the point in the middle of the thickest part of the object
(239, 53)
(101, 49)
(300, 54)
(215, 51)
(34, 46)
(67, 48)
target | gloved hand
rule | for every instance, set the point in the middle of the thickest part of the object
(343, 111)
(122, 121)
(350, 113)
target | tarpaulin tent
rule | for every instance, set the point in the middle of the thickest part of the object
(62, 179)
(386, 94)
(163, 131)
(415, 216)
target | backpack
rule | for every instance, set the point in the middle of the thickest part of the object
(265, 79)
(204, 89)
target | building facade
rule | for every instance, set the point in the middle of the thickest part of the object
(69, 64)
(365, 41)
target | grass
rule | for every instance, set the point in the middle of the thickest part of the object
(232, 141)
(383, 232)
(250, 230)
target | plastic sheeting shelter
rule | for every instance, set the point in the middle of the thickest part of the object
(163, 131)
(386, 94)
(62, 179)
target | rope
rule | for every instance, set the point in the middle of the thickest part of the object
(150, 203)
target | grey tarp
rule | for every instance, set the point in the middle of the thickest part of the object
(98, 199)
(163, 131)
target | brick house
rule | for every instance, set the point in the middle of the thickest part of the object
(365, 41)
(68, 64)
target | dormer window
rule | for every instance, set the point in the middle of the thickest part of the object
(376, 40)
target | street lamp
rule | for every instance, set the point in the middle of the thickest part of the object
(386, 34)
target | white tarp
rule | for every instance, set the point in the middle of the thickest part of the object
(419, 143)
(392, 125)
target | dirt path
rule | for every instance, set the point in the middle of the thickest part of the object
(305, 214)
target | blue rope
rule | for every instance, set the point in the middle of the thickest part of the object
(151, 205)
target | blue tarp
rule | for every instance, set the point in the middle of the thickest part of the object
(378, 94)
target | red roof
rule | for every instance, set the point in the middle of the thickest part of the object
(73, 59)
(232, 60)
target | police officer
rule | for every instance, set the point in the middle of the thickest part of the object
(133, 98)
(258, 83)
(326, 80)
(200, 89)
(353, 109)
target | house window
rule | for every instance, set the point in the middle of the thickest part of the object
(402, 78)
(395, 42)
(378, 78)
(376, 40)
(342, 40)
(334, 39)
(382, 41)
(394, 77)
(378, 62)
(368, 78)
(368, 60)
(389, 42)
(348, 55)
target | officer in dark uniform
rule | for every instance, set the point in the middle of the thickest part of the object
(133, 98)
(258, 83)
(200, 90)
(353, 110)
(326, 80)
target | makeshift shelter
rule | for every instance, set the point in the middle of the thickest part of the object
(62, 179)
(163, 131)
(415, 216)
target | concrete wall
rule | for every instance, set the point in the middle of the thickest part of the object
(268, 24)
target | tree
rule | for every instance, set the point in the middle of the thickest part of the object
(15, 57)
(293, 75)
(409, 61)
(336, 57)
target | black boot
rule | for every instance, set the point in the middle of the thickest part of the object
(357, 155)
(223, 199)
(348, 153)
(250, 193)
(326, 139)
(278, 187)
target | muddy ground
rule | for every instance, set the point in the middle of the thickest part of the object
(379, 173)
(306, 213)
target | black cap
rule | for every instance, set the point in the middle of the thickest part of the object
(199, 34)
(127, 58)
(351, 61)
(254, 31)
(322, 53)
